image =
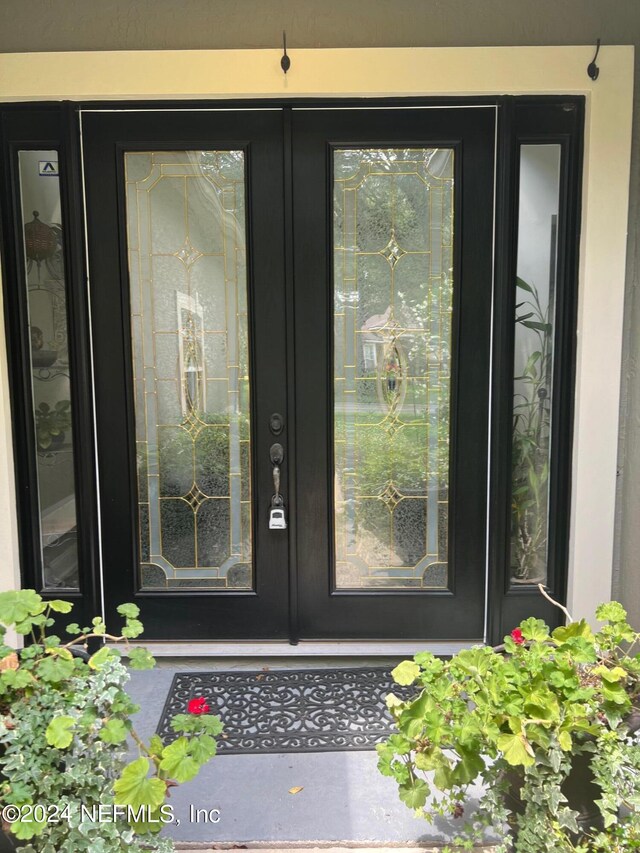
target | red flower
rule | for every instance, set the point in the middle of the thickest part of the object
(198, 706)
(516, 636)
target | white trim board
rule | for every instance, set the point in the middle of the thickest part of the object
(398, 72)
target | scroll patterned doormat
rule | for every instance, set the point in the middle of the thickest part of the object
(293, 710)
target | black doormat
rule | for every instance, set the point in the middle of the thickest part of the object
(293, 710)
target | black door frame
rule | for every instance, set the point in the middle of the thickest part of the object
(55, 125)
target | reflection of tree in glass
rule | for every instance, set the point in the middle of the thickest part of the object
(401, 308)
(530, 445)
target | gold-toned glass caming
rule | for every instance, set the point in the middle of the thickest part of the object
(393, 288)
(539, 188)
(187, 268)
(50, 370)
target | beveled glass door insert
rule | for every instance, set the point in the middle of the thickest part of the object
(186, 241)
(393, 300)
(185, 224)
(393, 386)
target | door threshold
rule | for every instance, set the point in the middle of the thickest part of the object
(307, 648)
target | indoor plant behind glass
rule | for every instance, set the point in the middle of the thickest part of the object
(523, 718)
(64, 727)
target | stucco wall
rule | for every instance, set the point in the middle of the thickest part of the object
(45, 25)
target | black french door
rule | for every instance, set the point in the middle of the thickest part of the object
(315, 279)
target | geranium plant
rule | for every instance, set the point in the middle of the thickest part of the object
(68, 782)
(522, 718)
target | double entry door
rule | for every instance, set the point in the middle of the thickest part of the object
(291, 311)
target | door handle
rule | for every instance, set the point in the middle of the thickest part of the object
(277, 518)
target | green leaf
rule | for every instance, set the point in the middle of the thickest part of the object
(611, 676)
(565, 741)
(134, 788)
(132, 629)
(156, 745)
(534, 629)
(16, 605)
(516, 749)
(129, 611)
(574, 629)
(400, 744)
(60, 606)
(59, 732)
(520, 282)
(406, 672)
(55, 669)
(113, 731)
(547, 328)
(98, 626)
(73, 628)
(141, 659)
(16, 678)
(177, 761)
(98, 660)
(470, 765)
(24, 830)
(202, 748)
(613, 612)
(414, 794)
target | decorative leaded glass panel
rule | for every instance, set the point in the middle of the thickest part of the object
(187, 266)
(393, 288)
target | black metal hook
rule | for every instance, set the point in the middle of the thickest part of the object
(285, 62)
(592, 69)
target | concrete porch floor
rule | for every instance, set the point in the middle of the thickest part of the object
(344, 801)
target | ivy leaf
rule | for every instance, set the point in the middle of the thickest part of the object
(134, 788)
(177, 761)
(72, 628)
(140, 658)
(414, 795)
(405, 673)
(113, 731)
(516, 749)
(59, 732)
(60, 606)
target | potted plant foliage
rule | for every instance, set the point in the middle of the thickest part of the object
(547, 722)
(52, 424)
(67, 781)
